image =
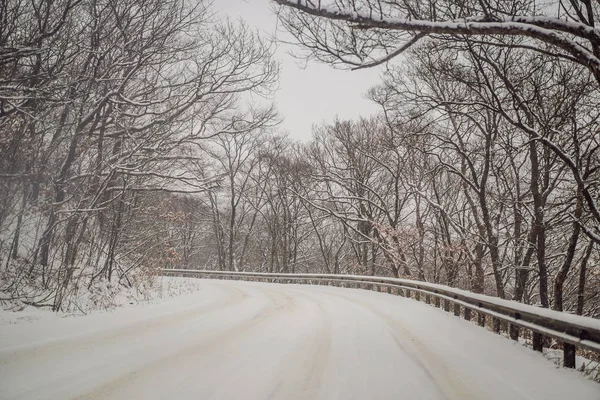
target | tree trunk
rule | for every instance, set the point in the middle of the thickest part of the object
(561, 276)
(582, 272)
(538, 205)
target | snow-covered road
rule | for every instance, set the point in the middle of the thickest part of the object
(241, 340)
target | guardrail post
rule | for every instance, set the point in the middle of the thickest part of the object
(480, 318)
(513, 332)
(446, 305)
(538, 341)
(417, 296)
(437, 302)
(467, 314)
(569, 354)
(496, 325)
(427, 299)
(457, 309)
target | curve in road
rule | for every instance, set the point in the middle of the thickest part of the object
(244, 340)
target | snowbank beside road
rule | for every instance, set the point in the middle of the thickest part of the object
(102, 299)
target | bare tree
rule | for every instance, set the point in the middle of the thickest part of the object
(101, 101)
(368, 32)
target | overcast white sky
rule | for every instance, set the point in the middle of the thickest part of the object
(308, 95)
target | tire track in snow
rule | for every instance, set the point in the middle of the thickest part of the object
(284, 361)
(303, 369)
(440, 373)
(443, 373)
(212, 343)
(38, 355)
(112, 348)
(83, 339)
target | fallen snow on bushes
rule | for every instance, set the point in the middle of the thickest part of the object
(102, 297)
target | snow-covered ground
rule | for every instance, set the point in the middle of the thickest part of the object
(243, 340)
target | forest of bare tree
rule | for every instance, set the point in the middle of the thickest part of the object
(129, 142)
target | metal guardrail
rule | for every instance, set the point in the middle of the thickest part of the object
(571, 330)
